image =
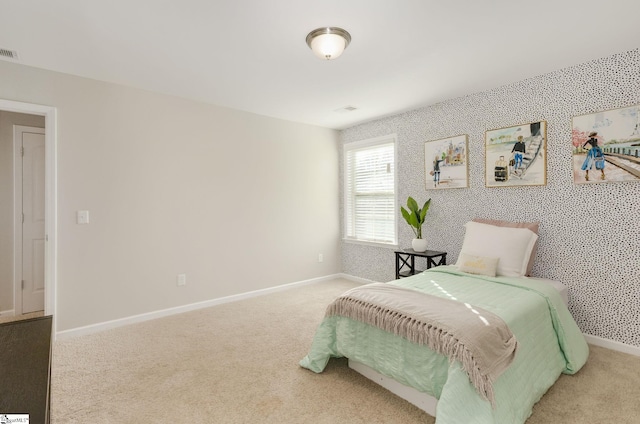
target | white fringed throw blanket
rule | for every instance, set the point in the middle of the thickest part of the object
(478, 339)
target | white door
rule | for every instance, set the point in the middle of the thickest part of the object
(33, 217)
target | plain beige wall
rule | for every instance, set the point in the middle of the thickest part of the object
(7, 121)
(236, 201)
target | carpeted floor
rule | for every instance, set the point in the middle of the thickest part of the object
(21, 317)
(238, 363)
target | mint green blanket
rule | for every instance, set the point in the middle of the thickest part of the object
(550, 343)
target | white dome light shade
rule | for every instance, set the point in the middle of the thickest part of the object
(328, 43)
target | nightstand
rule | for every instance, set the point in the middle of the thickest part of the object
(406, 261)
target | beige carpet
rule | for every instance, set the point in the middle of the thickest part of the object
(238, 363)
(21, 317)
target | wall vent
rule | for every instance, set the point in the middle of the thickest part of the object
(346, 109)
(8, 54)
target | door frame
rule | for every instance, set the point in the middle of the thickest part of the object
(51, 200)
(18, 222)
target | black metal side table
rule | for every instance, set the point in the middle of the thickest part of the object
(406, 261)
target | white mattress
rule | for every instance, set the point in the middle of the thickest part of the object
(558, 286)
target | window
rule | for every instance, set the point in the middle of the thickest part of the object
(369, 189)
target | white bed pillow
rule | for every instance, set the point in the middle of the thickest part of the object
(512, 246)
(533, 226)
(478, 264)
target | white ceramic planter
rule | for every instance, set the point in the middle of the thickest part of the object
(419, 245)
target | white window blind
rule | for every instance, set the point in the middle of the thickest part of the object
(370, 200)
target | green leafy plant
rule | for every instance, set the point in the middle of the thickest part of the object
(415, 216)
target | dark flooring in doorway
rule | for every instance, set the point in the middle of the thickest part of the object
(25, 367)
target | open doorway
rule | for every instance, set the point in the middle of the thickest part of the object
(28, 189)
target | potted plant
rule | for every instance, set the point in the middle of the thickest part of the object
(415, 218)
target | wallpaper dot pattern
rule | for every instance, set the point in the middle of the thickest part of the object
(589, 233)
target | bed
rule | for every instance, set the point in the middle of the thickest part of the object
(489, 277)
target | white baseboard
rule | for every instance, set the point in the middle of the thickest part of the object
(8, 313)
(95, 328)
(357, 279)
(612, 344)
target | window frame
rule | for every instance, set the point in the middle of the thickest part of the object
(364, 144)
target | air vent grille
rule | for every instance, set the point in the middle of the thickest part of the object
(8, 54)
(346, 109)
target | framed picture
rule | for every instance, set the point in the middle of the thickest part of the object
(606, 146)
(516, 156)
(446, 164)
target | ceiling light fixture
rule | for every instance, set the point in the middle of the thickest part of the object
(328, 42)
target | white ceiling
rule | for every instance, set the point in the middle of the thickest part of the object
(251, 54)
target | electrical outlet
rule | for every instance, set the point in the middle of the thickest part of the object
(320, 257)
(82, 217)
(182, 279)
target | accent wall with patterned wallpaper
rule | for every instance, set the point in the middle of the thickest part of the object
(589, 233)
